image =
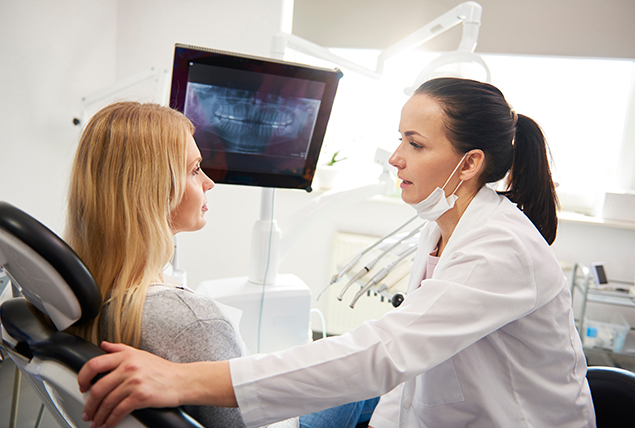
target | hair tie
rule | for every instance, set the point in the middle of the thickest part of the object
(513, 114)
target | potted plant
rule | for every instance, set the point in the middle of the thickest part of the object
(329, 172)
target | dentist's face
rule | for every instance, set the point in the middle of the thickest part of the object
(425, 157)
(189, 215)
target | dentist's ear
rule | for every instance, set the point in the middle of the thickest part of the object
(472, 165)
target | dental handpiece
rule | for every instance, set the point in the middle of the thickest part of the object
(352, 263)
(373, 262)
(383, 273)
(359, 274)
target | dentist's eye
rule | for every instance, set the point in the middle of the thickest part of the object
(415, 145)
(197, 170)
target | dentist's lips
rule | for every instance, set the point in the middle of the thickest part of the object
(404, 183)
(205, 207)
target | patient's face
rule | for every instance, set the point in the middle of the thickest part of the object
(189, 215)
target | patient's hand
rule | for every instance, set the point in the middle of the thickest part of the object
(137, 379)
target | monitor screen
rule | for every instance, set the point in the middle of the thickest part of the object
(259, 121)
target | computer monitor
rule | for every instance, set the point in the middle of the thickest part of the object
(259, 121)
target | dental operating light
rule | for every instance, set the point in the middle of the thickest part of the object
(460, 63)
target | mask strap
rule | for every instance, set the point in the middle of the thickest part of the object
(452, 175)
(457, 187)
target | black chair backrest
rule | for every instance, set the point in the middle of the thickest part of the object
(54, 282)
(613, 392)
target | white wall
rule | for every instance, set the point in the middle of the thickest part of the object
(148, 29)
(53, 53)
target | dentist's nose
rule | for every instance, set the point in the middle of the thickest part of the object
(396, 160)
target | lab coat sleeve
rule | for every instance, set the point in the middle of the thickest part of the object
(386, 414)
(488, 281)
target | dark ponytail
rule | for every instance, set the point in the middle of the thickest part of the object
(478, 117)
(529, 183)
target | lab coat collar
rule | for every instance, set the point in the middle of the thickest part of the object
(481, 207)
(483, 204)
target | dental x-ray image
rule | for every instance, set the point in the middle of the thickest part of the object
(253, 122)
(257, 121)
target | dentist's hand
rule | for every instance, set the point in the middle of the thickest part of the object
(138, 379)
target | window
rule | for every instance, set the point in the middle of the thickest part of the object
(582, 104)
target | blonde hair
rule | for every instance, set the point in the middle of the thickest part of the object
(128, 176)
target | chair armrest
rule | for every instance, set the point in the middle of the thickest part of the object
(23, 322)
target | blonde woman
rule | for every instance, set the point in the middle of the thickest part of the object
(136, 181)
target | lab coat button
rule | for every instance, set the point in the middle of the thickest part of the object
(406, 403)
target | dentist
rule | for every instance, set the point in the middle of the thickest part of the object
(486, 335)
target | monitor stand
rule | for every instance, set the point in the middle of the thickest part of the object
(286, 307)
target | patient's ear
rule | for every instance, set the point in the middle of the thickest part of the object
(474, 161)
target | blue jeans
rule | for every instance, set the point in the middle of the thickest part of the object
(344, 416)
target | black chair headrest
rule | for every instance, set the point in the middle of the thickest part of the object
(47, 271)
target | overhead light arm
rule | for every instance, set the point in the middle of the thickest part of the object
(468, 13)
(284, 40)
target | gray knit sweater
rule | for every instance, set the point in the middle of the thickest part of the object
(184, 327)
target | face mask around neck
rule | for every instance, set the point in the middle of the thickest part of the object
(436, 204)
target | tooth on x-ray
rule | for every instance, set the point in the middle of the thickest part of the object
(248, 121)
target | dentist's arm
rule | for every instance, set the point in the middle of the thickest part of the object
(138, 379)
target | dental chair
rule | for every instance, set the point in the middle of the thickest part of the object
(613, 393)
(53, 290)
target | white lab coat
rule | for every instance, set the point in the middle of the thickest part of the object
(488, 341)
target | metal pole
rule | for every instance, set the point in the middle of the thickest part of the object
(17, 378)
